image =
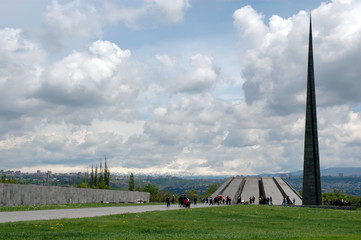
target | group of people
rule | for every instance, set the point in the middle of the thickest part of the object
(287, 201)
(219, 200)
(168, 200)
(265, 200)
(252, 200)
(184, 201)
(261, 200)
(337, 202)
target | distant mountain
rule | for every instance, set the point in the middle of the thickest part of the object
(334, 172)
(344, 171)
(355, 172)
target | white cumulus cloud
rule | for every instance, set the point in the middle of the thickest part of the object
(170, 11)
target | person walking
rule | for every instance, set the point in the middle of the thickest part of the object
(168, 201)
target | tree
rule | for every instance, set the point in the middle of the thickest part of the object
(162, 195)
(84, 184)
(101, 177)
(337, 195)
(210, 190)
(96, 176)
(92, 178)
(106, 174)
(191, 194)
(131, 182)
(3, 178)
(153, 191)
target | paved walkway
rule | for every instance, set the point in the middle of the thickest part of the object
(83, 212)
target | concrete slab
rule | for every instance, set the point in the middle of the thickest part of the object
(289, 192)
(221, 188)
(271, 189)
(232, 188)
(251, 188)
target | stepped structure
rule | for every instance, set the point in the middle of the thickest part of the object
(244, 188)
(311, 162)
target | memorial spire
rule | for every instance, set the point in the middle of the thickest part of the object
(311, 164)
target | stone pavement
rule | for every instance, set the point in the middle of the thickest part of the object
(84, 212)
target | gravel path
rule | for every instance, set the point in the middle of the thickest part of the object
(83, 212)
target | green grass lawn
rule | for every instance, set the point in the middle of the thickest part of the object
(231, 222)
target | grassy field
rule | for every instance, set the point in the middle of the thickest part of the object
(231, 222)
(68, 206)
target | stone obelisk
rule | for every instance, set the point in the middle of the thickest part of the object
(311, 163)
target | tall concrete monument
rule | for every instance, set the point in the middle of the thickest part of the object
(311, 162)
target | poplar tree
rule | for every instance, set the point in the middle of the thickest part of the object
(131, 182)
(106, 174)
(96, 176)
(92, 178)
(101, 177)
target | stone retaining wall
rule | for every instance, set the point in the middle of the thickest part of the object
(19, 194)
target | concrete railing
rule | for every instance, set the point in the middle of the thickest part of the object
(19, 194)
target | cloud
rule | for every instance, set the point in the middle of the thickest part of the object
(21, 63)
(337, 35)
(273, 65)
(78, 22)
(130, 16)
(203, 134)
(250, 25)
(277, 60)
(84, 102)
(166, 60)
(201, 78)
(171, 12)
(64, 23)
(99, 76)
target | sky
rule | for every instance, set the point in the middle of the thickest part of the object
(181, 87)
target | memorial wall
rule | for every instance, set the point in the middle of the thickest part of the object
(19, 194)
